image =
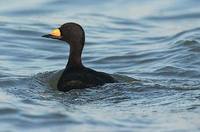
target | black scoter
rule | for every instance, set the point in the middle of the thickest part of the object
(75, 74)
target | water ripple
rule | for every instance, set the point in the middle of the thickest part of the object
(151, 47)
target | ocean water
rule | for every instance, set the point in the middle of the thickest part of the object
(155, 42)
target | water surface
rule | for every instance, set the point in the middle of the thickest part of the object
(156, 42)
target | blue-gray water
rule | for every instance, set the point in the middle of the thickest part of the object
(156, 42)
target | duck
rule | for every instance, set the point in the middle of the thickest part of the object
(76, 75)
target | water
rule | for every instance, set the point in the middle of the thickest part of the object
(156, 42)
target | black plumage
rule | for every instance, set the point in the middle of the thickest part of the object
(76, 75)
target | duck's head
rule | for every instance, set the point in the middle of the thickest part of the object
(72, 33)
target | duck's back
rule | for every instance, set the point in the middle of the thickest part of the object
(82, 78)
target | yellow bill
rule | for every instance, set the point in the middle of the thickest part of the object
(56, 32)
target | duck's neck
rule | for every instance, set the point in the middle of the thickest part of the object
(75, 60)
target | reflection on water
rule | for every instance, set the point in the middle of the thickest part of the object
(156, 42)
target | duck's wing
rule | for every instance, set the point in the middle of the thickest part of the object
(84, 78)
(101, 76)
